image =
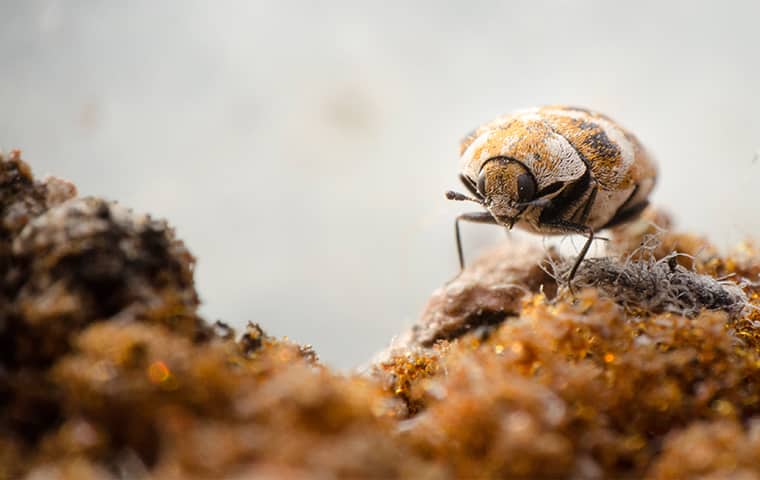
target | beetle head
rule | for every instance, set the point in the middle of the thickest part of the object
(507, 188)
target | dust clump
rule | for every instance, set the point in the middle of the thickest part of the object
(658, 285)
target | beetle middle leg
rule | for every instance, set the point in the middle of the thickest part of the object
(558, 215)
(586, 209)
(570, 227)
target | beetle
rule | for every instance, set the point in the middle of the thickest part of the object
(554, 170)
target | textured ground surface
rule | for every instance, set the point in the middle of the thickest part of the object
(107, 371)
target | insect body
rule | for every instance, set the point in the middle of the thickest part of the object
(554, 170)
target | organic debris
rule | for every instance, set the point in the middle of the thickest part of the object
(658, 286)
(484, 294)
(108, 372)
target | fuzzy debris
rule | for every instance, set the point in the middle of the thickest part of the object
(658, 286)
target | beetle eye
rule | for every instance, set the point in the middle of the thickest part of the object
(526, 187)
(482, 183)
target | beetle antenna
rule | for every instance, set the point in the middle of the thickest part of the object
(452, 195)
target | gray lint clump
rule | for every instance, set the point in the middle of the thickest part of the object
(657, 285)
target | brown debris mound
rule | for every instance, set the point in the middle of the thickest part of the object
(484, 294)
(107, 371)
(606, 384)
(579, 390)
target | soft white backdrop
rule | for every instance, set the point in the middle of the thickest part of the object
(302, 149)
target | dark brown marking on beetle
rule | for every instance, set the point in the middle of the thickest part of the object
(602, 145)
(622, 216)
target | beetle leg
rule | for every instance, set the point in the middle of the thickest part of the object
(539, 203)
(570, 227)
(567, 204)
(579, 259)
(589, 203)
(475, 217)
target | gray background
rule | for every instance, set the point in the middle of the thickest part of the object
(302, 150)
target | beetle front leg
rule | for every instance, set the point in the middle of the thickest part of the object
(475, 217)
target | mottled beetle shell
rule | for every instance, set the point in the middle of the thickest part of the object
(558, 144)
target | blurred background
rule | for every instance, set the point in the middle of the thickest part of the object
(302, 149)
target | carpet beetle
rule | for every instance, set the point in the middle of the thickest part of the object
(554, 170)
